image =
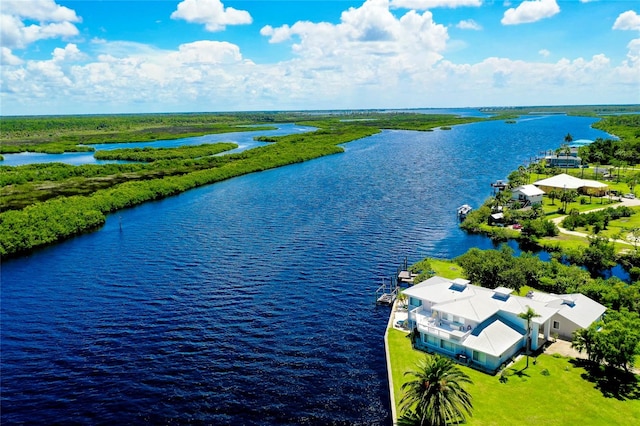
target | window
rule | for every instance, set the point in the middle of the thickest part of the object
(480, 357)
(447, 346)
(415, 302)
(556, 325)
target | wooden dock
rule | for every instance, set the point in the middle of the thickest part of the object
(386, 299)
(387, 293)
(406, 277)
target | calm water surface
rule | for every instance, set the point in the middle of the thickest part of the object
(243, 139)
(249, 301)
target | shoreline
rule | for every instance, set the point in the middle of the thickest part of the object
(392, 399)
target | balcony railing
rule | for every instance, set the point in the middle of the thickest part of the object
(428, 323)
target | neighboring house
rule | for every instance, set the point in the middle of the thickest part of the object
(482, 325)
(527, 194)
(563, 161)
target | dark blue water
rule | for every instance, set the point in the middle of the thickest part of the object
(249, 301)
(244, 140)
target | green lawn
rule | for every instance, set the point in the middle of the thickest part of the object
(446, 268)
(563, 397)
(551, 209)
(618, 228)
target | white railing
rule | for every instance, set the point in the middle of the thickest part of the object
(426, 323)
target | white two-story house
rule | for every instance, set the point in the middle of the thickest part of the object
(482, 325)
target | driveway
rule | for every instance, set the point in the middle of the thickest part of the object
(564, 348)
(624, 202)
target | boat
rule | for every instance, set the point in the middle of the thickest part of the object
(464, 210)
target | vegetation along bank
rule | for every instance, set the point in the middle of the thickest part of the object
(46, 203)
(604, 373)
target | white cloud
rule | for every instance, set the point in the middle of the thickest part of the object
(432, 4)
(544, 52)
(469, 24)
(367, 35)
(211, 13)
(370, 58)
(206, 52)
(8, 58)
(630, 69)
(530, 11)
(69, 53)
(132, 73)
(628, 20)
(53, 21)
(39, 10)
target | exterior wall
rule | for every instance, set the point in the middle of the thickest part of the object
(414, 302)
(535, 331)
(563, 161)
(513, 320)
(535, 199)
(517, 195)
(566, 327)
(444, 346)
(452, 349)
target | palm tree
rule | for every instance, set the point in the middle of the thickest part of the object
(528, 315)
(402, 299)
(435, 397)
(568, 138)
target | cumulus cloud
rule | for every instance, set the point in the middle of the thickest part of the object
(7, 58)
(207, 52)
(630, 69)
(530, 11)
(39, 10)
(69, 53)
(131, 73)
(211, 13)
(367, 35)
(469, 24)
(628, 20)
(370, 58)
(432, 4)
(544, 52)
(53, 21)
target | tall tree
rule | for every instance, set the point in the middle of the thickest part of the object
(584, 339)
(435, 396)
(568, 138)
(614, 341)
(528, 315)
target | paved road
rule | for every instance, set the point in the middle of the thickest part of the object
(624, 202)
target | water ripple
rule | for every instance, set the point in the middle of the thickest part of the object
(249, 301)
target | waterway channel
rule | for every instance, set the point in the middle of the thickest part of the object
(250, 301)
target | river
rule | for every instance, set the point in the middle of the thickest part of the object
(250, 301)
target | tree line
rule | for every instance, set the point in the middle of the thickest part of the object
(59, 218)
(613, 341)
(148, 154)
(494, 268)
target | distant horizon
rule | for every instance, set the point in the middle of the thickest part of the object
(346, 110)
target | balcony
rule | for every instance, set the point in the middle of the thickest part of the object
(427, 322)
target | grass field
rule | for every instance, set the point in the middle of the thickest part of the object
(564, 396)
(446, 268)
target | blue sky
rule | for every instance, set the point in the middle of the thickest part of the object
(121, 56)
